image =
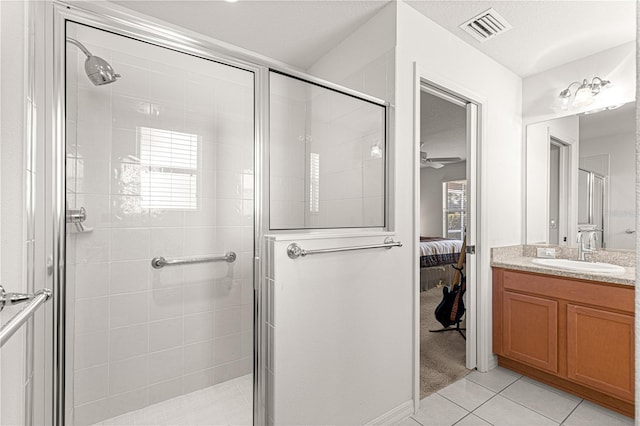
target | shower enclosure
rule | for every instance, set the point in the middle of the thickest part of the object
(159, 164)
(591, 204)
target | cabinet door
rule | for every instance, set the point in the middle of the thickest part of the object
(530, 330)
(600, 350)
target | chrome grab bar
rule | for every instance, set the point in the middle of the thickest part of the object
(21, 317)
(161, 262)
(294, 250)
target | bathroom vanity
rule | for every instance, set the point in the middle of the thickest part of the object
(573, 331)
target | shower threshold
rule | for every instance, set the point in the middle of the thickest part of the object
(227, 403)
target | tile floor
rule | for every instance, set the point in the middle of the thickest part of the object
(228, 403)
(499, 397)
(502, 397)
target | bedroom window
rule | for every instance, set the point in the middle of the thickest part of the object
(454, 201)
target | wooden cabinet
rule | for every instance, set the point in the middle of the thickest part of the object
(530, 330)
(600, 350)
(572, 334)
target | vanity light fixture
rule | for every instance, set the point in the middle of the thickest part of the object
(584, 94)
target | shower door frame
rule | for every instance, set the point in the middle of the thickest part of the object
(119, 22)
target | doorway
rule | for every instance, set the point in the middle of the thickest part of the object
(447, 195)
(157, 296)
(558, 191)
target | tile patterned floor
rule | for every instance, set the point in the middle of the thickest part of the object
(502, 397)
(228, 403)
(499, 397)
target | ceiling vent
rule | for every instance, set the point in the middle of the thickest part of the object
(486, 25)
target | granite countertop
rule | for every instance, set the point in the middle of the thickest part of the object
(514, 258)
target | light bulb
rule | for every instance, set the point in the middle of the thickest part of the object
(564, 98)
(583, 96)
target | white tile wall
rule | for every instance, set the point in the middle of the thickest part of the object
(143, 335)
(341, 130)
(268, 330)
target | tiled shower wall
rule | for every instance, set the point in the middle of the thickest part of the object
(346, 136)
(349, 138)
(144, 335)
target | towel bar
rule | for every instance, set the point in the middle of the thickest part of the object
(21, 317)
(294, 250)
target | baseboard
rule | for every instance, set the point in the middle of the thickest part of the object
(394, 416)
(493, 363)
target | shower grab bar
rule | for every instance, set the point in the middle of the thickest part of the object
(294, 250)
(161, 262)
(21, 317)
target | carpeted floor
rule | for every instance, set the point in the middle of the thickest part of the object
(442, 355)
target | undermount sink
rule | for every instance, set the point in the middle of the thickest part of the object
(580, 266)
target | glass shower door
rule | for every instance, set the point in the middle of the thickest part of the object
(160, 164)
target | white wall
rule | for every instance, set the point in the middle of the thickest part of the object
(457, 65)
(431, 209)
(364, 61)
(540, 91)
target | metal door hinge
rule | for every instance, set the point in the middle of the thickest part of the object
(471, 250)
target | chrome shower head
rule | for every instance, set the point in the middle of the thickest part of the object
(98, 70)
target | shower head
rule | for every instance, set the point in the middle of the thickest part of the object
(98, 70)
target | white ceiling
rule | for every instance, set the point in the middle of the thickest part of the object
(545, 34)
(297, 32)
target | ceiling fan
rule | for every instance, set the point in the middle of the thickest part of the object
(436, 162)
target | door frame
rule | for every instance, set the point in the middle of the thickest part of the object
(564, 190)
(478, 344)
(114, 19)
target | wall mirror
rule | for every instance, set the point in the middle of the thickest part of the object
(580, 173)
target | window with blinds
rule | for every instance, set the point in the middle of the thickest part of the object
(169, 165)
(454, 202)
(314, 182)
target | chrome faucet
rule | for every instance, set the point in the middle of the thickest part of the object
(582, 250)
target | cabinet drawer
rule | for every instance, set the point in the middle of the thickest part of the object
(600, 350)
(530, 330)
(612, 296)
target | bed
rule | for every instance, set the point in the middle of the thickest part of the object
(436, 254)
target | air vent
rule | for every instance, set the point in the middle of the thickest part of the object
(486, 25)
